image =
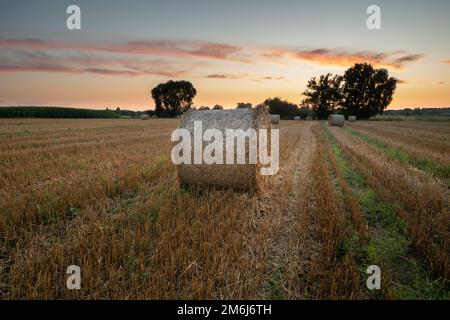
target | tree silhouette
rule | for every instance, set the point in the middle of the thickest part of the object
(173, 98)
(243, 105)
(282, 107)
(367, 91)
(217, 107)
(304, 112)
(323, 94)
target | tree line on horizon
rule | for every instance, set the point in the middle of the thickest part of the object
(362, 91)
(56, 112)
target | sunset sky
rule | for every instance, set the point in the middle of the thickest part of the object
(230, 50)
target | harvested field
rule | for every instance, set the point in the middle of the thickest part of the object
(104, 195)
(426, 140)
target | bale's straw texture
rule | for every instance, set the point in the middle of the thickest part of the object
(297, 118)
(237, 176)
(351, 118)
(275, 118)
(336, 120)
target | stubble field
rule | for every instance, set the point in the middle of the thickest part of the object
(104, 195)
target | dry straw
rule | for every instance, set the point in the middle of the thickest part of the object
(336, 120)
(237, 176)
(275, 118)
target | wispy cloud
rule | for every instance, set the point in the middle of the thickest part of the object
(172, 58)
(227, 76)
(446, 61)
(240, 76)
(80, 63)
(191, 49)
(73, 70)
(271, 78)
(346, 58)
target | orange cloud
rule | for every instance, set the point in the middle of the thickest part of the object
(107, 58)
(227, 76)
(271, 78)
(344, 58)
(241, 76)
(446, 61)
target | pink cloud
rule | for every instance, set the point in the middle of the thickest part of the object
(190, 49)
(84, 63)
(107, 58)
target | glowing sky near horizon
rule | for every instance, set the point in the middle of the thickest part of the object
(230, 50)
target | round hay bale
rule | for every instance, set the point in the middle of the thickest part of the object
(297, 118)
(275, 118)
(145, 116)
(351, 118)
(336, 120)
(237, 176)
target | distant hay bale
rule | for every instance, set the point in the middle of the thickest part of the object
(309, 118)
(154, 116)
(351, 118)
(297, 118)
(145, 116)
(237, 176)
(275, 118)
(336, 120)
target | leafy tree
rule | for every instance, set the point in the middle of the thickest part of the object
(304, 112)
(243, 105)
(323, 94)
(173, 98)
(217, 107)
(149, 112)
(204, 108)
(282, 107)
(367, 91)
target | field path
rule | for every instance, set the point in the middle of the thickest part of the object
(291, 248)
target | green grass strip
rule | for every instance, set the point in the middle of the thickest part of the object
(426, 165)
(387, 243)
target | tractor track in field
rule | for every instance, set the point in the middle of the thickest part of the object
(291, 248)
